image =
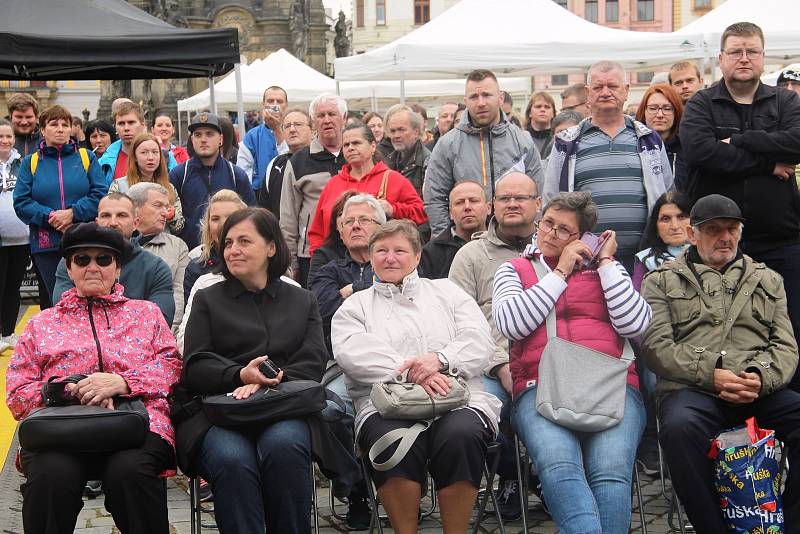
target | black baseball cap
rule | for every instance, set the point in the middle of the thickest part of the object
(789, 74)
(209, 120)
(714, 207)
(90, 235)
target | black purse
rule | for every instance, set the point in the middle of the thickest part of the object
(287, 400)
(68, 426)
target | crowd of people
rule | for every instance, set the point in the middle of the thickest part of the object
(355, 252)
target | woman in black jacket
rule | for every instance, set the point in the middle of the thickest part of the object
(258, 475)
(661, 109)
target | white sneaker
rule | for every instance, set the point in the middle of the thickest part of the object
(4, 345)
(12, 340)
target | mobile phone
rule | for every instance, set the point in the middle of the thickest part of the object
(269, 369)
(274, 109)
(595, 243)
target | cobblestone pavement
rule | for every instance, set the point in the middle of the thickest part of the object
(94, 519)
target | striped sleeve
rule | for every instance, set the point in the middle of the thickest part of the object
(630, 314)
(517, 312)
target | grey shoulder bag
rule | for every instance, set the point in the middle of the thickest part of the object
(580, 388)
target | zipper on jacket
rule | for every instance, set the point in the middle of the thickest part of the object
(61, 179)
(94, 334)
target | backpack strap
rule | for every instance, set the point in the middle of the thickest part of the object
(384, 184)
(34, 162)
(84, 154)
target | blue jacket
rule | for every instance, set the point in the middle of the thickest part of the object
(144, 276)
(108, 161)
(61, 183)
(260, 141)
(195, 183)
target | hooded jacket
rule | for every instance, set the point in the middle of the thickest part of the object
(656, 169)
(13, 232)
(132, 336)
(399, 193)
(260, 149)
(478, 154)
(108, 161)
(376, 330)
(704, 319)
(25, 144)
(60, 183)
(761, 134)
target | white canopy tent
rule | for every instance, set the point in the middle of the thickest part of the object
(512, 38)
(777, 18)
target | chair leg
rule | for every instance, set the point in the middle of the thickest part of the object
(375, 519)
(332, 503)
(522, 482)
(489, 472)
(196, 519)
(638, 485)
(314, 499)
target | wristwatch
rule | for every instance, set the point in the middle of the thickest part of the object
(444, 361)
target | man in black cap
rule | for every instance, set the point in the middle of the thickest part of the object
(789, 78)
(204, 174)
(721, 345)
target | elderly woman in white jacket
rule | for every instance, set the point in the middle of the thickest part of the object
(432, 330)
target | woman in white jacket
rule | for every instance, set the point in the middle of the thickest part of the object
(434, 331)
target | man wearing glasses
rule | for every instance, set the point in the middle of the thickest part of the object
(262, 143)
(516, 204)
(620, 161)
(574, 98)
(297, 133)
(741, 139)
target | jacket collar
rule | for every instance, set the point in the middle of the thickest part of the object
(466, 125)
(719, 91)
(448, 237)
(68, 148)
(234, 288)
(195, 162)
(409, 288)
(70, 300)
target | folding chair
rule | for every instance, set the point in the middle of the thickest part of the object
(197, 508)
(675, 507)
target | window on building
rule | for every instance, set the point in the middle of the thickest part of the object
(560, 79)
(612, 10)
(562, 3)
(422, 11)
(644, 77)
(591, 10)
(645, 10)
(360, 13)
(380, 12)
(702, 4)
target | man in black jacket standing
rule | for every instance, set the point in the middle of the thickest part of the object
(741, 139)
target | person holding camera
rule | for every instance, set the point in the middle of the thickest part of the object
(585, 474)
(262, 143)
(262, 474)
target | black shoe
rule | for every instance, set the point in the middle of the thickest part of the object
(536, 488)
(508, 500)
(647, 461)
(93, 488)
(205, 491)
(358, 513)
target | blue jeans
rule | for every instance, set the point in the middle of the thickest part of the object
(586, 476)
(507, 466)
(260, 478)
(47, 264)
(338, 386)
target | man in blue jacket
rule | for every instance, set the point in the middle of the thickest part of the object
(262, 143)
(205, 174)
(129, 122)
(144, 276)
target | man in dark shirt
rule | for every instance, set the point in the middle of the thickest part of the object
(24, 112)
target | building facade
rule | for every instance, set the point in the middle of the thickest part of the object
(378, 22)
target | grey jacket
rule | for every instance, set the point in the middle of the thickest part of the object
(698, 327)
(175, 253)
(463, 154)
(473, 271)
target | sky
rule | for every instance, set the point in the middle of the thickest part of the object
(336, 5)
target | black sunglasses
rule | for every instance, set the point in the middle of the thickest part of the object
(83, 260)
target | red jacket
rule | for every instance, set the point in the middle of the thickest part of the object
(581, 317)
(400, 193)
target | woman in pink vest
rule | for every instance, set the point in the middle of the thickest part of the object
(586, 476)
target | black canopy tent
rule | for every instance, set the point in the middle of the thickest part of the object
(105, 40)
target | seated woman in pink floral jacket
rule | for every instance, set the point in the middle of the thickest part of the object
(124, 347)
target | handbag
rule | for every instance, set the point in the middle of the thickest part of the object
(69, 427)
(398, 399)
(287, 400)
(580, 388)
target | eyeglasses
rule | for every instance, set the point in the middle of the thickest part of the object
(561, 233)
(654, 109)
(738, 54)
(83, 260)
(507, 199)
(295, 125)
(362, 221)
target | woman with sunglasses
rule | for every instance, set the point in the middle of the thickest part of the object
(586, 476)
(123, 347)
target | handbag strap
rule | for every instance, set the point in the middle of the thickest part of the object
(384, 183)
(550, 322)
(406, 437)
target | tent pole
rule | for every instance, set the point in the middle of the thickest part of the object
(402, 87)
(180, 130)
(239, 99)
(211, 95)
(338, 88)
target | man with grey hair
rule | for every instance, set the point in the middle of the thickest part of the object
(306, 174)
(152, 206)
(332, 285)
(410, 158)
(617, 159)
(516, 205)
(483, 147)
